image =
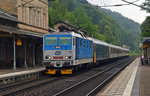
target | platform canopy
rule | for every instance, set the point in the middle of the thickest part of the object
(146, 42)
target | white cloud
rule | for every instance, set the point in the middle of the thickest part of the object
(130, 11)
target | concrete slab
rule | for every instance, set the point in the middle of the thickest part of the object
(9, 76)
(122, 85)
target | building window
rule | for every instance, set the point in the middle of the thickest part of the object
(35, 17)
(2, 49)
(39, 18)
(23, 14)
(30, 15)
(44, 17)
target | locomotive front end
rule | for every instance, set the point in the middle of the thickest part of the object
(57, 55)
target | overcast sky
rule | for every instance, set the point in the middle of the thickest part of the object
(129, 11)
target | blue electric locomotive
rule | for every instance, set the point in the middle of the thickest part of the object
(65, 52)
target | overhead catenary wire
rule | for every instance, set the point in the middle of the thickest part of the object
(142, 7)
(132, 3)
(117, 5)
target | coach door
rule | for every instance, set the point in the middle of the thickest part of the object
(94, 53)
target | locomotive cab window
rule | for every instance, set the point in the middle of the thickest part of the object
(87, 45)
(80, 43)
(64, 40)
(90, 44)
(84, 43)
(51, 40)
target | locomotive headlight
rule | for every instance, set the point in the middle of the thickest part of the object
(48, 57)
(66, 57)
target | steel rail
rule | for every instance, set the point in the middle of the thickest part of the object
(8, 90)
(22, 86)
(65, 91)
(100, 86)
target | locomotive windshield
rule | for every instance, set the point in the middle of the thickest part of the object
(57, 42)
(64, 40)
(50, 40)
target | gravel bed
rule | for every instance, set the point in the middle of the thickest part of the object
(55, 87)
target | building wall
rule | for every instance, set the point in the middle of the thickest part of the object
(7, 5)
(32, 44)
(34, 11)
(35, 15)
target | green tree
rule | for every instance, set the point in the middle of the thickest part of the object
(80, 19)
(145, 27)
(57, 11)
(146, 6)
(100, 23)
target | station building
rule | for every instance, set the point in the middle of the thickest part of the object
(22, 26)
(146, 47)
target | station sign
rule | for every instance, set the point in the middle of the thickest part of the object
(144, 46)
(19, 42)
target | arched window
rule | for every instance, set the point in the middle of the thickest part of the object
(39, 18)
(44, 17)
(35, 17)
(23, 13)
(30, 15)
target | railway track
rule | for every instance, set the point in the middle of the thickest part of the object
(48, 86)
(93, 84)
(16, 88)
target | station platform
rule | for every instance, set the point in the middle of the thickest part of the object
(134, 80)
(8, 76)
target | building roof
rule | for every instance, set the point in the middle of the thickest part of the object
(20, 31)
(52, 30)
(7, 16)
(69, 25)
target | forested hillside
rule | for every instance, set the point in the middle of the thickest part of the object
(130, 32)
(145, 27)
(99, 23)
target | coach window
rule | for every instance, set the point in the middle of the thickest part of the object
(80, 43)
